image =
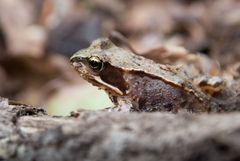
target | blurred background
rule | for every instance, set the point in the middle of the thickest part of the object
(37, 37)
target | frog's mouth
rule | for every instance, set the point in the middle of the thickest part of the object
(96, 80)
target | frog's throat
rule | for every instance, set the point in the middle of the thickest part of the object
(96, 81)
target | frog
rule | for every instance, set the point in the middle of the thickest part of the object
(137, 84)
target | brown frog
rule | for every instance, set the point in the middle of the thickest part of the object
(135, 83)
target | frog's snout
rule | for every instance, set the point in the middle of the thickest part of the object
(76, 61)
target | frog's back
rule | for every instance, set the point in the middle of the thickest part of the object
(127, 60)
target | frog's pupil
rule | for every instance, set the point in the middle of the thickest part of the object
(94, 63)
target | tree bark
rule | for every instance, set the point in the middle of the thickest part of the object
(29, 134)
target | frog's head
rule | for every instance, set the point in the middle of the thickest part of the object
(94, 65)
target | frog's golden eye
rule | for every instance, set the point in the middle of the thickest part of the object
(95, 63)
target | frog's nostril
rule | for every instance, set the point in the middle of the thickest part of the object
(77, 64)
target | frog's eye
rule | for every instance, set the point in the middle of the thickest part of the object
(95, 63)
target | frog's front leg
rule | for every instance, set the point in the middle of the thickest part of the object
(120, 105)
